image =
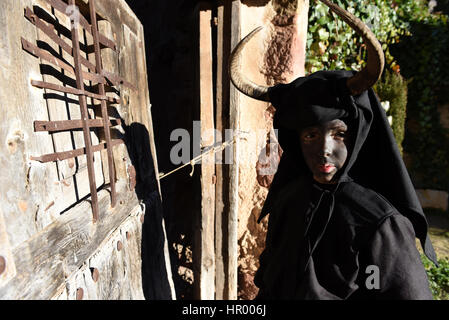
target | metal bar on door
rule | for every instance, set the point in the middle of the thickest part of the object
(84, 113)
(104, 110)
(63, 125)
(75, 91)
(59, 156)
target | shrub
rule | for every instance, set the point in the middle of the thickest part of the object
(423, 60)
(438, 277)
(393, 87)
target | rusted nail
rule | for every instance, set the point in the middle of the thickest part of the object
(128, 235)
(79, 294)
(142, 218)
(214, 179)
(95, 274)
(2, 264)
(119, 245)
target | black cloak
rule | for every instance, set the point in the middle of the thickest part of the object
(323, 240)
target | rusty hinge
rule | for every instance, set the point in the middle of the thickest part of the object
(94, 73)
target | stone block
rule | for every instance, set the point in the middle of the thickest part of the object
(433, 198)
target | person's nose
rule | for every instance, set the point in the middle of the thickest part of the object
(326, 146)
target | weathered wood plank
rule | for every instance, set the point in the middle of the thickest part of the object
(130, 55)
(110, 264)
(117, 272)
(46, 259)
(135, 109)
(26, 189)
(221, 124)
(206, 246)
(131, 231)
(118, 13)
(234, 106)
(109, 59)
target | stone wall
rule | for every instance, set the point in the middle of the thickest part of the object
(434, 199)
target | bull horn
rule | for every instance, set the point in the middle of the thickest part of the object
(371, 73)
(240, 81)
(358, 83)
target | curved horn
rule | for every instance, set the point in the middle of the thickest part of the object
(369, 75)
(240, 81)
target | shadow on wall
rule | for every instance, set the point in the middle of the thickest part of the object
(155, 280)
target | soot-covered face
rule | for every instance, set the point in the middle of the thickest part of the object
(325, 149)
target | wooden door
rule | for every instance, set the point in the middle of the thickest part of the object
(50, 246)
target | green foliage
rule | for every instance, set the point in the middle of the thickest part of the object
(332, 44)
(412, 10)
(423, 59)
(392, 87)
(438, 277)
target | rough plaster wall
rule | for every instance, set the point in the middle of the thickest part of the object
(254, 123)
(277, 55)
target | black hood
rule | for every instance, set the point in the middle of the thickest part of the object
(374, 160)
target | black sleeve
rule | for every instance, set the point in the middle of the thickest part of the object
(393, 251)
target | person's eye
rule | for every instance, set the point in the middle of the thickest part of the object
(309, 136)
(341, 134)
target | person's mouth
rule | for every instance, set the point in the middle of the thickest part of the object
(326, 168)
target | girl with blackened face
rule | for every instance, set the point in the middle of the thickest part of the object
(325, 149)
(348, 203)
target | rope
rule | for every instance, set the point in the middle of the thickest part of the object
(198, 158)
